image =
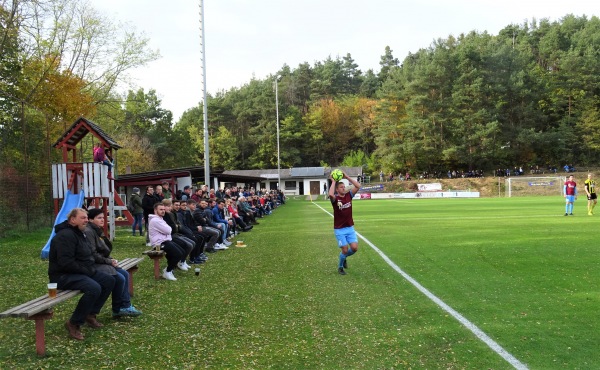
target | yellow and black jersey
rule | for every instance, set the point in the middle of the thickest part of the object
(590, 186)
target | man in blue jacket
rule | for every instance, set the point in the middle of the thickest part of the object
(218, 210)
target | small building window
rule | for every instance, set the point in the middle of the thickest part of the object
(291, 185)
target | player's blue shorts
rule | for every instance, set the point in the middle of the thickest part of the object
(345, 236)
(570, 198)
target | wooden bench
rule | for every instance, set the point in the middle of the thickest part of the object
(130, 265)
(41, 308)
(155, 255)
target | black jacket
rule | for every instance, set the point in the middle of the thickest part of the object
(70, 253)
(148, 203)
(171, 220)
(209, 217)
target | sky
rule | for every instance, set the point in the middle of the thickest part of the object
(246, 39)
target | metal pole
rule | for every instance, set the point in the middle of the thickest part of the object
(277, 114)
(204, 102)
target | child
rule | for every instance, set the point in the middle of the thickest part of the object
(101, 157)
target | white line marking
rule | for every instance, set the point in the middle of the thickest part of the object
(463, 320)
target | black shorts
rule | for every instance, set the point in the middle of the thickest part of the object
(592, 196)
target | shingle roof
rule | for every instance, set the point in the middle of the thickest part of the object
(79, 129)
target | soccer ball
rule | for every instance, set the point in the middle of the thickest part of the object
(337, 174)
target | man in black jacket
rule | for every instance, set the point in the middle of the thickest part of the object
(148, 202)
(71, 266)
(196, 221)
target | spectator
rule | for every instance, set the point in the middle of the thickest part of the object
(138, 211)
(185, 243)
(166, 191)
(196, 221)
(231, 207)
(160, 234)
(187, 193)
(158, 193)
(148, 203)
(208, 215)
(101, 250)
(71, 266)
(245, 211)
(197, 255)
(198, 195)
(219, 217)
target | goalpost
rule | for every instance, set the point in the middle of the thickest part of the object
(526, 186)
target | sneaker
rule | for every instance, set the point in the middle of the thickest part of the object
(149, 245)
(129, 311)
(227, 243)
(345, 264)
(341, 271)
(182, 266)
(74, 330)
(168, 275)
(220, 247)
(566, 214)
(186, 265)
(199, 261)
(210, 250)
(570, 214)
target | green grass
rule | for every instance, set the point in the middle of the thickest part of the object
(517, 268)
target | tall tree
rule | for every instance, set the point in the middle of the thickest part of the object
(387, 63)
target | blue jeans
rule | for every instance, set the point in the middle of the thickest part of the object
(106, 162)
(224, 229)
(95, 289)
(137, 221)
(120, 294)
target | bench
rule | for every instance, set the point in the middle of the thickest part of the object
(41, 308)
(155, 255)
(130, 265)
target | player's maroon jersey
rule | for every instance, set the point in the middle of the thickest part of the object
(342, 211)
(570, 187)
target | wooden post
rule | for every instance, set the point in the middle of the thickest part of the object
(40, 338)
(130, 272)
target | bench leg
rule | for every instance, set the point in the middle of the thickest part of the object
(131, 271)
(156, 260)
(40, 337)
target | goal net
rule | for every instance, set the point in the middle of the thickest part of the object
(531, 186)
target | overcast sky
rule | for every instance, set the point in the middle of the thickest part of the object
(255, 38)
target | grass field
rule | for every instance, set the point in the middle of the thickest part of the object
(519, 270)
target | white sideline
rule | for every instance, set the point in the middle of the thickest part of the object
(464, 321)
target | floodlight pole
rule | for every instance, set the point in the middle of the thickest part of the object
(277, 115)
(204, 102)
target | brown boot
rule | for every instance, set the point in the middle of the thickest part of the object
(92, 322)
(73, 330)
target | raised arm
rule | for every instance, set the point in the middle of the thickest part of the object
(353, 182)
